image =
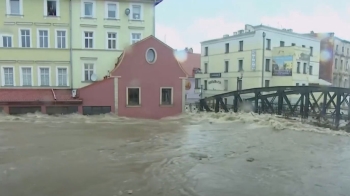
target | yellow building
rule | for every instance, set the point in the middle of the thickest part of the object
(34, 49)
(103, 29)
(242, 55)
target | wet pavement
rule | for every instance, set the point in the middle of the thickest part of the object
(192, 155)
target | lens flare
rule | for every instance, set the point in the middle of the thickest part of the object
(325, 55)
(180, 55)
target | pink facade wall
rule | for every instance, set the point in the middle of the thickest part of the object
(135, 71)
(98, 94)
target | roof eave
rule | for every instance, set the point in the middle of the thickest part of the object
(158, 2)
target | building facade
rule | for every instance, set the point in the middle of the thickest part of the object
(62, 43)
(34, 44)
(341, 61)
(236, 61)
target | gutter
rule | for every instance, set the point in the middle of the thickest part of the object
(70, 44)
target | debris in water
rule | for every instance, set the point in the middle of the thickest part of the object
(250, 159)
(130, 191)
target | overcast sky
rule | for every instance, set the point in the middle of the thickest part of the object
(185, 23)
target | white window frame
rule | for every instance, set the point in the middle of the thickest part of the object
(83, 70)
(62, 67)
(131, 11)
(141, 37)
(106, 9)
(21, 74)
(2, 43)
(127, 97)
(83, 8)
(57, 8)
(20, 38)
(3, 74)
(116, 40)
(172, 95)
(93, 39)
(39, 75)
(56, 43)
(38, 37)
(8, 8)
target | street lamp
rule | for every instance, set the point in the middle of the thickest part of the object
(263, 60)
(239, 80)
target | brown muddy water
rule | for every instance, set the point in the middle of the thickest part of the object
(191, 155)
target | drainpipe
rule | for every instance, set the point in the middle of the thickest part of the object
(54, 95)
(70, 44)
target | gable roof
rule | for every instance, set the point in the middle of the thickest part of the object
(193, 61)
(120, 59)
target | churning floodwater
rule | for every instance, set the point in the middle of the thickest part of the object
(191, 155)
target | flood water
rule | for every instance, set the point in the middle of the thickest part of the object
(191, 155)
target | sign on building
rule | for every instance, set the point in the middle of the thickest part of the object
(253, 65)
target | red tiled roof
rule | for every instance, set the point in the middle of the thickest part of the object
(193, 61)
(35, 95)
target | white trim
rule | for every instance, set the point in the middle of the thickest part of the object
(20, 37)
(3, 74)
(57, 8)
(141, 37)
(8, 8)
(127, 96)
(39, 75)
(38, 37)
(117, 40)
(117, 9)
(1, 40)
(155, 55)
(172, 95)
(83, 70)
(83, 8)
(21, 75)
(62, 67)
(93, 39)
(56, 46)
(131, 11)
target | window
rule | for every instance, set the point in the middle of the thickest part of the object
(136, 12)
(336, 63)
(267, 83)
(8, 76)
(7, 41)
(304, 68)
(348, 51)
(347, 65)
(43, 38)
(205, 84)
(88, 9)
(268, 46)
(281, 43)
(227, 48)
(25, 38)
(267, 64)
(336, 48)
(151, 55)
(225, 85)
(44, 76)
(89, 39)
(303, 84)
(310, 70)
(342, 49)
(61, 39)
(14, 7)
(206, 50)
(197, 83)
(239, 85)
(133, 96)
(62, 76)
(111, 40)
(303, 46)
(240, 65)
(88, 71)
(26, 76)
(297, 84)
(226, 66)
(341, 64)
(205, 67)
(240, 46)
(111, 10)
(293, 44)
(311, 51)
(51, 8)
(166, 96)
(135, 37)
(298, 67)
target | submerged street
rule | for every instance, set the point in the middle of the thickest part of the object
(192, 155)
